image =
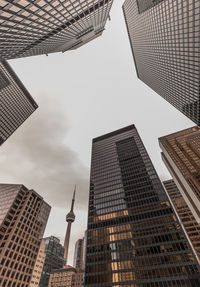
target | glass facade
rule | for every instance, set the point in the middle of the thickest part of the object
(20, 231)
(79, 254)
(54, 259)
(134, 238)
(164, 37)
(16, 104)
(31, 28)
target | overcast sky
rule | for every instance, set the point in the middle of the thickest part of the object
(81, 94)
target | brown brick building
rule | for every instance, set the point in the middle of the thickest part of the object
(187, 219)
(66, 277)
(181, 155)
(23, 218)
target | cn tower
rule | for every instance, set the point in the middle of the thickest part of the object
(70, 217)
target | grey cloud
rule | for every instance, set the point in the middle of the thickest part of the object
(37, 155)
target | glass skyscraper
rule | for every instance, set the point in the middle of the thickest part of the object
(164, 37)
(16, 104)
(54, 259)
(31, 28)
(134, 238)
(79, 254)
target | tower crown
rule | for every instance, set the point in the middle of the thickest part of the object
(70, 217)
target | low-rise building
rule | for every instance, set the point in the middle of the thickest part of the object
(66, 277)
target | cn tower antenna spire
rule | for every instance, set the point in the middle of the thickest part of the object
(70, 219)
(73, 199)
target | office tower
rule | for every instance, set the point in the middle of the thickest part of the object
(31, 28)
(16, 104)
(134, 237)
(23, 217)
(79, 254)
(66, 277)
(164, 38)
(70, 217)
(84, 249)
(39, 263)
(181, 155)
(54, 259)
(192, 228)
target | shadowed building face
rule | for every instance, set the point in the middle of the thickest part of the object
(164, 37)
(16, 104)
(40, 27)
(79, 254)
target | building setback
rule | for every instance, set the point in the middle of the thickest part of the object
(134, 237)
(23, 218)
(190, 224)
(16, 104)
(31, 28)
(164, 38)
(181, 155)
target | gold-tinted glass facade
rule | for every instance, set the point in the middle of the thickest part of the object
(20, 233)
(30, 28)
(133, 238)
(164, 37)
(191, 226)
(16, 104)
(180, 152)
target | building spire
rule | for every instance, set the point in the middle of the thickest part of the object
(73, 199)
(70, 217)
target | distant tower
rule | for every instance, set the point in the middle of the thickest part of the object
(69, 218)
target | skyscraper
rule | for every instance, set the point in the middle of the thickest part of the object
(70, 219)
(190, 224)
(16, 104)
(133, 237)
(164, 38)
(31, 28)
(23, 217)
(181, 155)
(54, 259)
(79, 254)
